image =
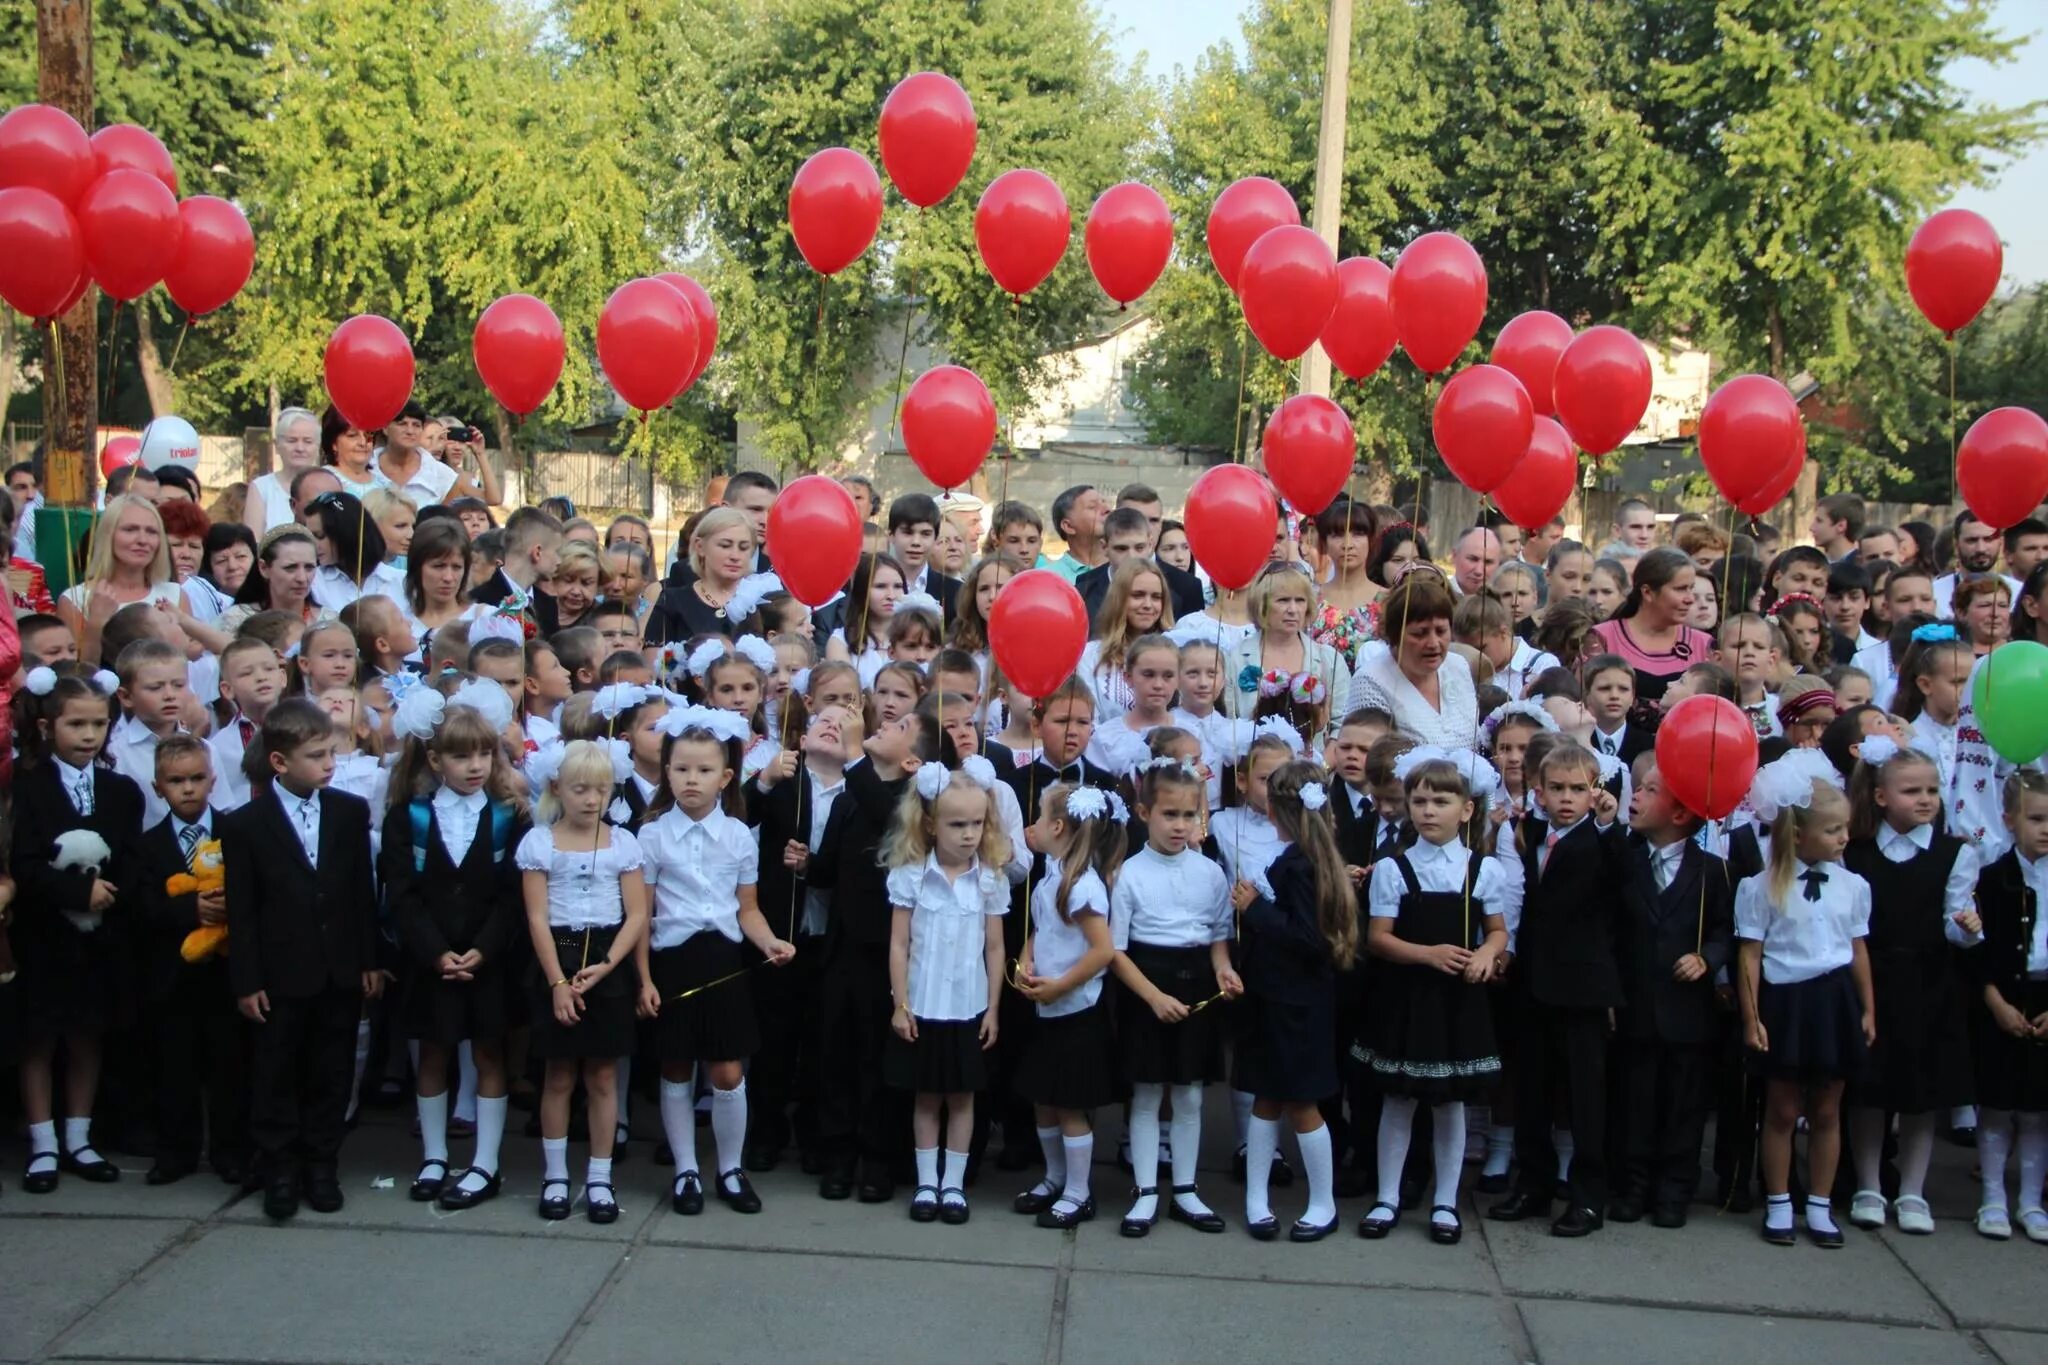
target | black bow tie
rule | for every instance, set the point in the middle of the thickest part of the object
(1070, 773)
(1814, 879)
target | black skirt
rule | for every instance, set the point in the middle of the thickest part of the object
(1187, 1053)
(1068, 1063)
(432, 1009)
(1922, 1058)
(946, 1059)
(1815, 1030)
(1284, 1050)
(2012, 1073)
(68, 981)
(606, 1028)
(713, 1025)
(1429, 1035)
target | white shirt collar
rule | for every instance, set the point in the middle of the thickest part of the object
(1426, 852)
(449, 799)
(932, 868)
(294, 802)
(69, 776)
(822, 787)
(204, 823)
(1920, 837)
(684, 824)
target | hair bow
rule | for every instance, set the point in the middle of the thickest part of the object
(1308, 690)
(106, 682)
(487, 699)
(41, 680)
(622, 759)
(1531, 711)
(932, 779)
(722, 726)
(703, 657)
(419, 712)
(1933, 634)
(1789, 782)
(1878, 750)
(544, 764)
(756, 651)
(919, 601)
(1313, 796)
(1279, 727)
(614, 698)
(1272, 683)
(800, 682)
(496, 625)
(750, 593)
(980, 769)
(1087, 803)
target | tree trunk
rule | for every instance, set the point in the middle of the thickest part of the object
(1777, 325)
(9, 367)
(70, 409)
(156, 376)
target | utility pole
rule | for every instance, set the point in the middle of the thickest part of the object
(70, 416)
(1329, 191)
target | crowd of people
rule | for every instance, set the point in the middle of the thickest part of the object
(354, 794)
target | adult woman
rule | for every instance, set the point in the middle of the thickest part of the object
(628, 529)
(1568, 570)
(1280, 601)
(476, 517)
(951, 552)
(1174, 547)
(296, 439)
(1135, 603)
(1982, 608)
(1395, 546)
(721, 552)
(1349, 611)
(2030, 613)
(351, 553)
(1916, 545)
(185, 528)
(227, 553)
(129, 561)
(437, 578)
(1649, 627)
(281, 579)
(346, 451)
(1420, 682)
(397, 516)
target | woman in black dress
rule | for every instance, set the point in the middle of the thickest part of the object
(721, 554)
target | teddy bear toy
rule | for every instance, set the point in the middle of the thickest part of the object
(209, 873)
(81, 850)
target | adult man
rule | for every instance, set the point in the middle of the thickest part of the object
(1837, 525)
(2026, 544)
(1907, 593)
(964, 511)
(22, 487)
(749, 492)
(1473, 559)
(1977, 546)
(1127, 536)
(866, 501)
(1878, 543)
(1635, 529)
(1077, 515)
(1185, 589)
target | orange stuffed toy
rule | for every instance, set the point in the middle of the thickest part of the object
(209, 873)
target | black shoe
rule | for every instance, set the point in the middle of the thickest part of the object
(39, 1182)
(742, 1199)
(1267, 1229)
(1138, 1227)
(875, 1185)
(1627, 1208)
(952, 1212)
(836, 1183)
(686, 1195)
(169, 1172)
(1780, 1237)
(1209, 1221)
(761, 1158)
(281, 1195)
(455, 1198)
(1492, 1184)
(1051, 1217)
(323, 1189)
(1305, 1231)
(1577, 1221)
(87, 1164)
(600, 1211)
(427, 1188)
(1443, 1234)
(1034, 1200)
(1831, 1239)
(923, 1210)
(231, 1170)
(1372, 1227)
(1667, 1216)
(557, 1208)
(1518, 1206)
(812, 1163)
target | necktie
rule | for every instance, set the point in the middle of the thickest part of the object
(81, 793)
(1667, 868)
(1814, 878)
(1608, 745)
(246, 728)
(189, 838)
(306, 814)
(1390, 840)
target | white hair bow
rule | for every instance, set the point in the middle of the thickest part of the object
(750, 593)
(487, 699)
(611, 699)
(932, 779)
(1878, 750)
(106, 682)
(800, 682)
(919, 601)
(41, 680)
(1087, 803)
(1278, 727)
(756, 651)
(720, 725)
(1314, 796)
(622, 758)
(544, 764)
(704, 656)
(1788, 783)
(492, 625)
(980, 769)
(419, 712)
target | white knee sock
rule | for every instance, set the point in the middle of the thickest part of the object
(1916, 1154)
(1318, 1164)
(927, 1166)
(1561, 1143)
(1447, 1147)
(1144, 1133)
(1994, 1145)
(1080, 1153)
(1261, 1140)
(729, 1124)
(956, 1172)
(1866, 1145)
(679, 1121)
(433, 1111)
(1241, 1110)
(2033, 1157)
(1397, 1120)
(490, 1130)
(465, 1083)
(554, 1159)
(1187, 1144)
(355, 1089)
(1049, 1143)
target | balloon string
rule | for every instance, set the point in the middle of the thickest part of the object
(1727, 560)
(179, 348)
(57, 367)
(1713, 749)
(113, 334)
(1954, 466)
(802, 780)
(903, 347)
(1237, 426)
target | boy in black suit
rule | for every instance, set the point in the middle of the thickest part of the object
(302, 949)
(1681, 935)
(913, 539)
(1610, 686)
(201, 1042)
(1567, 956)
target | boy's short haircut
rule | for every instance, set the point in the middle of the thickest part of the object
(1797, 554)
(1380, 758)
(913, 509)
(273, 627)
(1490, 697)
(1125, 520)
(617, 662)
(291, 725)
(1014, 513)
(35, 623)
(526, 528)
(1367, 715)
(1903, 572)
(1137, 492)
(1555, 682)
(1479, 615)
(1074, 689)
(1847, 577)
(1695, 536)
(1570, 754)
(450, 642)
(577, 648)
(956, 661)
(130, 625)
(244, 644)
(1712, 680)
(490, 545)
(142, 654)
(171, 748)
(607, 607)
(1842, 673)
(749, 478)
(1604, 663)
(494, 648)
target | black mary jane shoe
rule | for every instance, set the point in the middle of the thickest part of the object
(44, 1181)
(455, 1198)
(1831, 1239)
(924, 1204)
(952, 1212)
(686, 1195)
(1446, 1234)
(1034, 1200)
(555, 1208)
(1267, 1229)
(87, 1164)
(1372, 1227)
(1051, 1217)
(600, 1211)
(426, 1189)
(1138, 1227)
(742, 1199)
(1305, 1231)
(1207, 1221)
(1779, 1237)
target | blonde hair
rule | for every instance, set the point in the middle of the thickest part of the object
(1268, 585)
(1785, 832)
(380, 502)
(99, 555)
(584, 761)
(714, 522)
(579, 553)
(1112, 629)
(909, 841)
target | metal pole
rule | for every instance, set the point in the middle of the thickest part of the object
(1329, 191)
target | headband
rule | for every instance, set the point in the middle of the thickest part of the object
(1793, 708)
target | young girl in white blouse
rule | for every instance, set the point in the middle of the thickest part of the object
(1151, 673)
(945, 854)
(703, 862)
(1804, 983)
(1170, 921)
(1067, 1070)
(1201, 683)
(586, 908)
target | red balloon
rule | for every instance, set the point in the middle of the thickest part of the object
(928, 132)
(1021, 226)
(1360, 333)
(646, 342)
(1037, 631)
(42, 147)
(1602, 387)
(215, 254)
(1773, 492)
(1483, 423)
(1246, 211)
(814, 538)
(369, 371)
(1706, 752)
(2002, 466)
(42, 254)
(1541, 483)
(706, 313)
(126, 147)
(118, 453)
(1288, 286)
(949, 424)
(1128, 237)
(1231, 517)
(835, 208)
(519, 351)
(1528, 348)
(130, 226)
(1749, 429)
(1309, 449)
(1439, 296)
(1952, 267)
(77, 293)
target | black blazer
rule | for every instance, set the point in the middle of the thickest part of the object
(166, 918)
(1573, 913)
(1357, 835)
(1181, 586)
(1663, 927)
(294, 931)
(775, 813)
(446, 907)
(1284, 956)
(1637, 739)
(845, 862)
(497, 589)
(44, 892)
(2009, 910)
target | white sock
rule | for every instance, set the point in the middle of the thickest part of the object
(1866, 1145)
(1994, 1145)
(1778, 1212)
(1080, 1153)
(1397, 1121)
(599, 1172)
(2033, 1157)
(679, 1122)
(1144, 1135)
(623, 1088)
(1916, 1154)
(1820, 1216)
(433, 1112)
(1319, 1165)
(1561, 1143)
(490, 1130)
(77, 1134)
(1241, 1102)
(1187, 1144)
(554, 1159)
(1447, 1146)
(1055, 1160)
(927, 1166)
(1963, 1116)
(1500, 1149)
(42, 1138)
(729, 1124)
(465, 1082)
(955, 1181)
(1261, 1140)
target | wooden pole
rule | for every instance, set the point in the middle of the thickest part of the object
(70, 417)
(1329, 191)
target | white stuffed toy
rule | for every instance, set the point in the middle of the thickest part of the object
(81, 850)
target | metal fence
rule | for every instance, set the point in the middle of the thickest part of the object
(591, 479)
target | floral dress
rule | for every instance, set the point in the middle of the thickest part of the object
(1345, 631)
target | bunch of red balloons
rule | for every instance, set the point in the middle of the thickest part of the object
(655, 336)
(78, 210)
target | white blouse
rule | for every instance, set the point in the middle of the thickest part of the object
(948, 935)
(334, 589)
(457, 817)
(1057, 945)
(2034, 872)
(1938, 742)
(1454, 724)
(1181, 901)
(1117, 747)
(696, 868)
(1248, 841)
(1804, 939)
(1438, 867)
(1113, 694)
(1219, 734)
(1527, 664)
(583, 887)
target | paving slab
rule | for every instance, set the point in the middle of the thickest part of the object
(2017, 1348)
(198, 1196)
(1982, 1282)
(677, 1302)
(345, 1294)
(1607, 1334)
(52, 1271)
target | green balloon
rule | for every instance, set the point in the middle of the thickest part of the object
(2011, 701)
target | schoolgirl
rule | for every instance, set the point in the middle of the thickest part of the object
(1201, 684)
(1933, 676)
(1151, 673)
(871, 596)
(737, 681)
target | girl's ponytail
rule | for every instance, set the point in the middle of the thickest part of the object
(1300, 806)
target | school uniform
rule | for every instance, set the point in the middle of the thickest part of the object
(1068, 1063)
(1363, 837)
(453, 886)
(1807, 998)
(1738, 1096)
(630, 800)
(2012, 1073)
(1288, 1012)
(200, 1042)
(1627, 743)
(1919, 881)
(1164, 914)
(301, 929)
(228, 743)
(1215, 731)
(499, 589)
(1938, 742)
(1681, 902)
(695, 869)
(75, 966)
(131, 748)
(947, 976)
(585, 914)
